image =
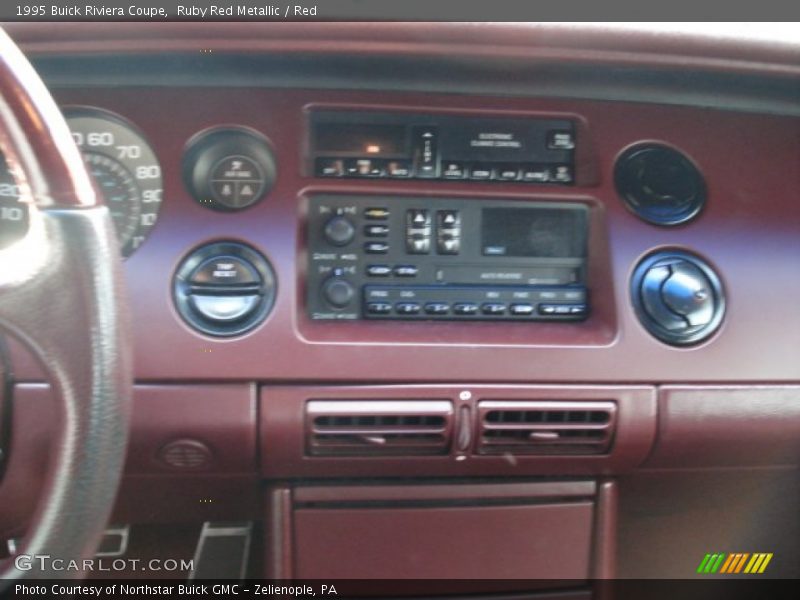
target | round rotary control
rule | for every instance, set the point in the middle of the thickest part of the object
(677, 297)
(339, 231)
(224, 289)
(338, 292)
(229, 168)
(659, 184)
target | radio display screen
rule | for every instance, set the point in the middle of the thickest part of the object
(534, 232)
(361, 140)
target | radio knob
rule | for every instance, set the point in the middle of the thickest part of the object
(338, 292)
(339, 231)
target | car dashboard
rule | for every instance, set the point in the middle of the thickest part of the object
(429, 283)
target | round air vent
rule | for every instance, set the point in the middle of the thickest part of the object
(659, 184)
(678, 297)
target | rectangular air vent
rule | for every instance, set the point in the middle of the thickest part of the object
(378, 428)
(544, 427)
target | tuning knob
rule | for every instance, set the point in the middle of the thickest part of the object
(337, 292)
(678, 297)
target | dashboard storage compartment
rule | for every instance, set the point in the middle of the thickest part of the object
(540, 532)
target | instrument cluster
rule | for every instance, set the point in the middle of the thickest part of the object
(123, 166)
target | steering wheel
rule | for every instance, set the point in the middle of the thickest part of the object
(61, 295)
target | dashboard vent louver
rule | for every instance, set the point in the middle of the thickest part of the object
(543, 427)
(378, 428)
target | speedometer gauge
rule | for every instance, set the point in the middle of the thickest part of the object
(125, 171)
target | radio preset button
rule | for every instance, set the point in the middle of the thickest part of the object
(437, 308)
(407, 308)
(379, 308)
(378, 270)
(465, 308)
(376, 247)
(376, 213)
(376, 230)
(406, 271)
(493, 308)
(521, 310)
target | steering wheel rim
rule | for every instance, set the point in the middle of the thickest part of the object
(61, 295)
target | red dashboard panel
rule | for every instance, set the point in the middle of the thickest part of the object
(727, 426)
(222, 418)
(748, 232)
(728, 402)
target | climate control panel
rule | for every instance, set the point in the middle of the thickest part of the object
(425, 258)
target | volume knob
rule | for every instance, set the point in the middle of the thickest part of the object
(339, 231)
(338, 292)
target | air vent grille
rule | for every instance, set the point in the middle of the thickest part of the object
(544, 427)
(379, 427)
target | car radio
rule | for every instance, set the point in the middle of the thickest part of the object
(418, 146)
(388, 257)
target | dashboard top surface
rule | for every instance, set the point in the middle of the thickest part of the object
(741, 131)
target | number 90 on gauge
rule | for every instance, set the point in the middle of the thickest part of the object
(125, 171)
